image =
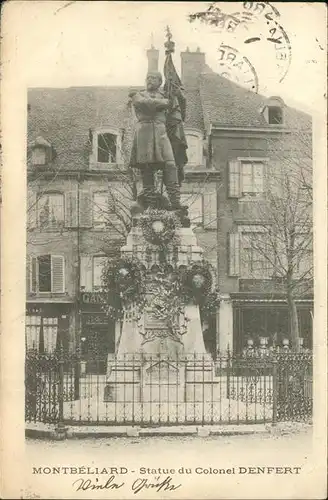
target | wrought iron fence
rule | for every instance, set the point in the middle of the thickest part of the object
(150, 390)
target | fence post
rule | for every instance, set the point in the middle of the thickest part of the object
(228, 360)
(61, 431)
(275, 388)
(77, 375)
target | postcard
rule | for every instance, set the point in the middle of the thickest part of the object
(164, 250)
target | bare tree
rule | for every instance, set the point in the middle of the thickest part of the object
(280, 247)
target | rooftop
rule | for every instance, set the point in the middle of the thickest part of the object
(64, 116)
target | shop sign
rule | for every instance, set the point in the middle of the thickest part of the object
(92, 298)
(96, 319)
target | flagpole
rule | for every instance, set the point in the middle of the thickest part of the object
(177, 107)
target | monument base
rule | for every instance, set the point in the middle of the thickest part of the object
(154, 378)
(159, 360)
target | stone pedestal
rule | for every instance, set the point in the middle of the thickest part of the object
(151, 363)
(225, 323)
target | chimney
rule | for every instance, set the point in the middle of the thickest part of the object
(152, 56)
(192, 65)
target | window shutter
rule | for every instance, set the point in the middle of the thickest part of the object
(86, 272)
(31, 209)
(210, 210)
(234, 254)
(28, 274)
(57, 274)
(71, 209)
(85, 203)
(32, 274)
(234, 179)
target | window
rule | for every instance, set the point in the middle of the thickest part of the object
(251, 178)
(273, 110)
(255, 259)
(50, 331)
(195, 207)
(195, 148)
(47, 274)
(100, 209)
(275, 115)
(41, 151)
(106, 147)
(41, 333)
(250, 253)
(97, 269)
(246, 177)
(38, 156)
(44, 273)
(32, 328)
(303, 250)
(50, 211)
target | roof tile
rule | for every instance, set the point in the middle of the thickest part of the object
(64, 116)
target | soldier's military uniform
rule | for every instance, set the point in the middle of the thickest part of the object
(151, 149)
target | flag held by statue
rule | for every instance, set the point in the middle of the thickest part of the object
(177, 109)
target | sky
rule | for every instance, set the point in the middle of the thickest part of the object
(59, 44)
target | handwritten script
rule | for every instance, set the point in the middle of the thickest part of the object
(140, 484)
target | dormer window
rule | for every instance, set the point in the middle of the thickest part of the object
(273, 111)
(195, 147)
(39, 156)
(106, 148)
(275, 115)
(40, 151)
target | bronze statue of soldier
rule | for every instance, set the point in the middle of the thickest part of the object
(152, 148)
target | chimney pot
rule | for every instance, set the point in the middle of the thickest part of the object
(152, 56)
(192, 65)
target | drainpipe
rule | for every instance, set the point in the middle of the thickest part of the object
(77, 370)
(217, 263)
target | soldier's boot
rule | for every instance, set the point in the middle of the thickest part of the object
(170, 178)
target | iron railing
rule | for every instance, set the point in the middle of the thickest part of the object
(150, 390)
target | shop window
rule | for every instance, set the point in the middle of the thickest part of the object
(41, 333)
(195, 207)
(50, 211)
(33, 329)
(47, 274)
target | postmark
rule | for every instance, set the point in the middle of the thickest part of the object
(237, 68)
(256, 29)
(272, 32)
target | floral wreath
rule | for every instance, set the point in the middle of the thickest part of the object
(124, 282)
(197, 281)
(158, 226)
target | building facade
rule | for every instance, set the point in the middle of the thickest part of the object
(79, 193)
